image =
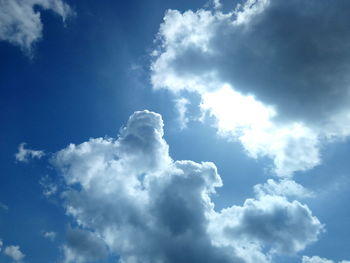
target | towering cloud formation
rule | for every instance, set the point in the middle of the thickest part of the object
(274, 73)
(130, 198)
(20, 22)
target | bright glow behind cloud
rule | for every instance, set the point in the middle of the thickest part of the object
(297, 83)
(293, 147)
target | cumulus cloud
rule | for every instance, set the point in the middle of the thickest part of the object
(134, 199)
(317, 259)
(265, 221)
(14, 252)
(23, 154)
(20, 22)
(83, 246)
(274, 74)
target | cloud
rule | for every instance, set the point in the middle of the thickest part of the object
(4, 207)
(20, 22)
(316, 259)
(145, 207)
(50, 235)
(1, 244)
(265, 221)
(288, 61)
(49, 187)
(14, 252)
(284, 187)
(23, 154)
(181, 106)
(83, 246)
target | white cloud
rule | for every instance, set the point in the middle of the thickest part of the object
(284, 187)
(293, 147)
(1, 244)
(50, 235)
(14, 252)
(145, 207)
(279, 94)
(23, 154)
(20, 23)
(317, 259)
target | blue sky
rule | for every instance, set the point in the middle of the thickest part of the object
(174, 131)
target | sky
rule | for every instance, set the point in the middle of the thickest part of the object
(166, 131)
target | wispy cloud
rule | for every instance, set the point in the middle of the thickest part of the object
(317, 259)
(50, 235)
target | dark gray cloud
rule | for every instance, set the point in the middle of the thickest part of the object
(147, 208)
(293, 55)
(83, 246)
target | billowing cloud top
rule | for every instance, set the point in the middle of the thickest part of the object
(274, 73)
(131, 199)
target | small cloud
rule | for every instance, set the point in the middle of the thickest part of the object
(50, 235)
(48, 186)
(14, 252)
(1, 243)
(181, 106)
(3, 207)
(23, 154)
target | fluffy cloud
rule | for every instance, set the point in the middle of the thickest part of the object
(265, 221)
(128, 195)
(83, 246)
(14, 252)
(316, 259)
(23, 154)
(20, 22)
(289, 61)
